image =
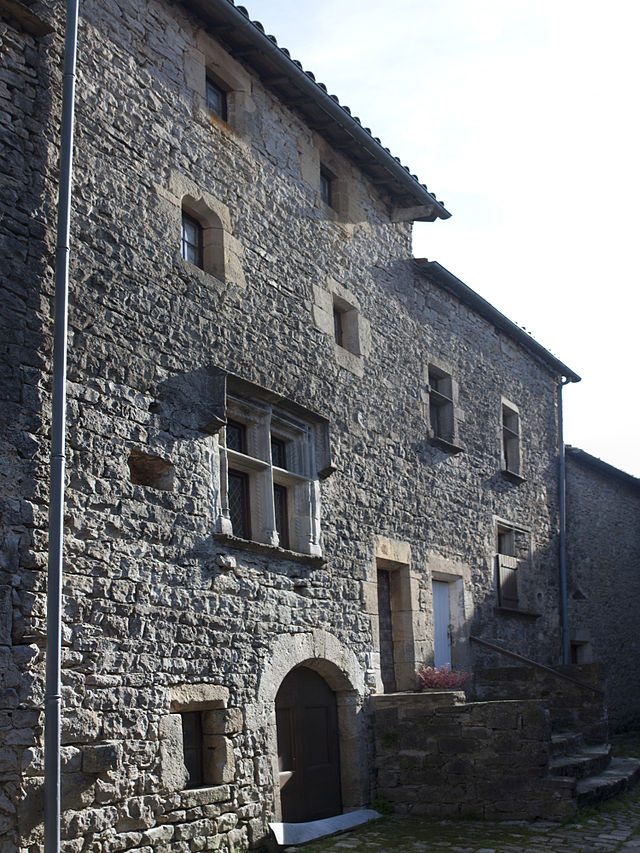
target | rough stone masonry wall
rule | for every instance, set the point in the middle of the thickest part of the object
(153, 603)
(439, 757)
(603, 557)
(28, 108)
(572, 707)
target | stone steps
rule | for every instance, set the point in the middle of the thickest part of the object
(583, 762)
(590, 771)
(620, 776)
(565, 743)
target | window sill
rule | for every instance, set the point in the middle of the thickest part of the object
(511, 611)
(511, 475)
(445, 445)
(204, 795)
(271, 550)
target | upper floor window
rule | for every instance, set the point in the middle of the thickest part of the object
(443, 419)
(191, 245)
(326, 186)
(216, 99)
(271, 460)
(510, 440)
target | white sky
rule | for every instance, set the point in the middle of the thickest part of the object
(522, 116)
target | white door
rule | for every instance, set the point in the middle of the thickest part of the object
(441, 620)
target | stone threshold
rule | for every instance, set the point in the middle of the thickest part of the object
(300, 833)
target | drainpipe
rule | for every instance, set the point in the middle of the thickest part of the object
(564, 608)
(53, 697)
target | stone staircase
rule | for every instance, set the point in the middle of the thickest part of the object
(589, 769)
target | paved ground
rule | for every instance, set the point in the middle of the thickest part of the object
(614, 826)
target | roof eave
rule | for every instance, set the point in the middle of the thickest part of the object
(441, 276)
(412, 201)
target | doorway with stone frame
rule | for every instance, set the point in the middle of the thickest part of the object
(398, 624)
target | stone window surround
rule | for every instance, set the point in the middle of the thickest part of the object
(318, 159)
(517, 563)
(409, 624)
(447, 439)
(301, 479)
(511, 434)
(223, 254)
(356, 329)
(218, 722)
(208, 59)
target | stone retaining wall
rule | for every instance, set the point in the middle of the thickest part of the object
(572, 708)
(440, 757)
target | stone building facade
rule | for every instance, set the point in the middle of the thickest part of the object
(286, 437)
(603, 557)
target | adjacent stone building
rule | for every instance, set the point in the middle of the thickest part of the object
(603, 529)
(300, 463)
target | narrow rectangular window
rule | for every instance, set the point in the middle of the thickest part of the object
(507, 568)
(236, 436)
(238, 494)
(191, 244)
(216, 99)
(441, 405)
(385, 629)
(511, 440)
(281, 514)
(192, 747)
(338, 327)
(278, 453)
(325, 187)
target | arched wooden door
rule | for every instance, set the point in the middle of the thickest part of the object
(308, 753)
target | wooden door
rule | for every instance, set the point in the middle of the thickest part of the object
(308, 753)
(441, 624)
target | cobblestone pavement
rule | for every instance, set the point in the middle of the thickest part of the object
(614, 827)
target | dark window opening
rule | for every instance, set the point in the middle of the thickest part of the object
(385, 629)
(192, 747)
(511, 440)
(191, 245)
(440, 405)
(338, 326)
(326, 181)
(216, 99)
(281, 514)
(278, 452)
(236, 436)
(239, 504)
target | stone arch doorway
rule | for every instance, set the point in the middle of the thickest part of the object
(323, 653)
(308, 747)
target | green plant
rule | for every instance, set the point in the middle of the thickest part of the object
(382, 805)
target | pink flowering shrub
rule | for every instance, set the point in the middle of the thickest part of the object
(443, 677)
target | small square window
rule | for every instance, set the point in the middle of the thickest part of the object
(191, 244)
(216, 99)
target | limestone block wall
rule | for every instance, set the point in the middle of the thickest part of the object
(162, 614)
(603, 558)
(439, 757)
(572, 707)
